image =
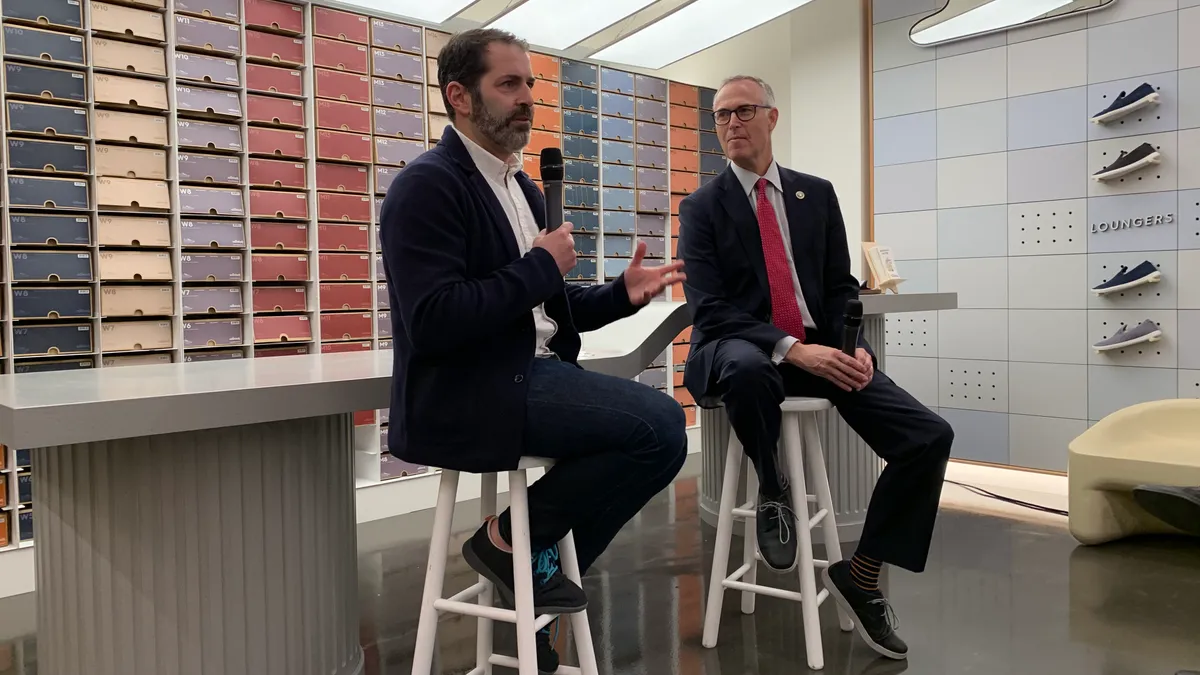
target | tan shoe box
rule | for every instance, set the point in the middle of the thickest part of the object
(133, 231)
(132, 193)
(128, 56)
(125, 127)
(127, 162)
(135, 266)
(137, 301)
(128, 336)
(136, 360)
(118, 90)
(127, 21)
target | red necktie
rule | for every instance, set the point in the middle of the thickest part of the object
(785, 311)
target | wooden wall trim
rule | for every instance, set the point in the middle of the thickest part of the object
(869, 121)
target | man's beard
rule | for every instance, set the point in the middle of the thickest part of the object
(501, 129)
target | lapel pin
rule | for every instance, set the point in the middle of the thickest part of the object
(799, 194)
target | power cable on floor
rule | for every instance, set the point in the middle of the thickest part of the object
(1008, 500)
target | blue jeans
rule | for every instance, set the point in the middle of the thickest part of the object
(618, 443)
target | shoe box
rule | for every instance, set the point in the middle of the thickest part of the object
(134, 266)
(649, 133)
(578, 73)
(211, 201)
(685, 139)
(343, 237)
(277, 173)
(344, 267)
(683, 94)
(58, 13)
(269, 79)
(341, 146)
(229, 10)
(618, 246)
(129, 336)
(581, 196)
(706, 178)
(42, 82)
(397, 94)
(384, 175)
(280, 299)
(346, 347)
(282, 328)
(437, 126)
(127, 127)
(212, 332)
(617, 81)
(652, 179)
(343, 116)
(400, 123)
(352, 297)
(713, 164)
(437, 105)
(278, 204)
(125, 301)
(651, 156)
(546, 118)
(380, 270)
(280, 236)
(267, 352)
(545, 67)
(342, 178)
(130, 91)
(214, 267)
(684, 183)
(585, 244)
(127, 22)
(653, 201)
(685, 160)
(616, 175)
(652, 88)
(339, 55)
(618, 199)
(211, 102)
(617, 105)
(34, 229)
(274, 48)
(45, 45)
(580, 98)
(651, 225)
(128, 162)
(710, 143)
(619, 223)
(652, 111)
(136, 360)
(212, 233)
(48, 193)
(582, 123)
(278, 266)
(676, 200)
(284, 17)
(397, 152)
(39, 118)
(67, 302)
(132, 193)
(656, 247)
(391, 468)
(131, 57)
(615, 152)
(585, 269)
(132, 231)
(49, 156)
(215, 355)
(274, 110)
(383, 324)
(52, 339)
(339, 25)
(584, 221)
(277, 142)
(348, 208)
(208, 36)
(346, 326)
(202, 168)
(382, 300)
(52, 366)
(213, 300)
(616, 129)
(578, 171)
(398, 36)
(385, 63)
(209, 135)
(343, 86)
(540, 140)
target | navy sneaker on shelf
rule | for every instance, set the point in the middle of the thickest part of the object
(1145, 273)
(1128, 162)
(1126, 103)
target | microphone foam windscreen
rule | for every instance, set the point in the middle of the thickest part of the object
(854, 308)
(551, 164)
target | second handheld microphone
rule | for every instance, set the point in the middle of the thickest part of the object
(551, 166)
(851, 326)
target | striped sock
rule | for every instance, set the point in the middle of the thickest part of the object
(865, 572)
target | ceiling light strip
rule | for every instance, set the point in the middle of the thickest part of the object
(560, 24)
(428, 11)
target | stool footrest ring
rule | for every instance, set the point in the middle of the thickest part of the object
(510, 662)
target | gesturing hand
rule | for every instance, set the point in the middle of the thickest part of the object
(848, 373)
(644, 283)
(559, 244)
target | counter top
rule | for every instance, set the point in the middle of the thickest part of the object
(907, 302)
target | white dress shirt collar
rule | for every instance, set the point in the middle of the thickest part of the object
(487, 163)
(749, 179)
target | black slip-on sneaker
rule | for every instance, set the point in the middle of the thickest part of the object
(875, 620)
(547, 657)
(1127, 103)
(553, 592)
(1142, 156)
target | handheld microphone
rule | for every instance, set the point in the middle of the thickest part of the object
(551, 166)
(851, 327)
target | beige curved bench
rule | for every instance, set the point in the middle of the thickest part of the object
(1156, 442)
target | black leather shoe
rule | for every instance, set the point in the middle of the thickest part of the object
(873, 616)
(547, 658)
(776, 525)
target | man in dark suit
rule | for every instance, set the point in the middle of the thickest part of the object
(487, 335)
(768, 282)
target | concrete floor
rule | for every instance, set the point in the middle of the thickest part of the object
(1000, 597)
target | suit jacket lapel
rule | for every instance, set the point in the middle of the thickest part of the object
(458, 150)
(803, 223)
(745, 223)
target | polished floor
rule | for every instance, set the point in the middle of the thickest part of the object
(1000, 597)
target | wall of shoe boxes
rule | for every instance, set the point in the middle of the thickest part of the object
(201, 179)
(1050, 175)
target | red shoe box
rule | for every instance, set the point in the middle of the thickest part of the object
(277, 173)
(278, 204)
(342, 86)
(274, 15)
(342, 237)
(274, 110)
(337, 145)
(268, 352)
(279, 236)
(343, 347)
(346, 326)
(341, 25)
(539, 140)
(344, 267)
(280, 299)
(278, 266)
(340, 55)
(274, 80)
(348, 208)
(277, 142)
(335, 297)
(282, 329)
(342, 178)
(275, 48)
(342, 116)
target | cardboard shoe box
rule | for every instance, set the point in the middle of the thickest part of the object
(277, 142)
(279, 236)
(278, 267)
(274, 48)
(212, 333)
(133, 231)
(48, 193)
(652, 156)
(130, 336)
(278, 173)
(118, 90)
(126, 301)
(649, 133)
(339, 55)
(652, 179)
(393, 35)
(685, 160)
(346, 326)
(653, 201)
(52, 339)
(136, 360)
(270, 79)
(282, 329)
(266, 352)
(41, 229)
(684, 183)
(340, 25)
(217, 355)
(52, 303)
(337, 145)
(651, 225)
(339, 237)
(135, 266)
(353, 297)
(48, 156)
(339, 115)
(132, 193)
(127, 162)
(348, 208)
(398, 123)
(384, 175)
(274, 15)
(211, 201)
(209, 135)
(342, 178)
(397, 152)
(209, 36)
(211, 266)
(45, 45)
(342, 86)
(228, 10)
(346, 347)
(41, 82)
(385, 63)
(201, 168)
(383, 324)
(278, 204)
(52, 366)
(222, 300)
(274, 110)
(129, 57)
(127, 21)
(60, 13)
(210, 69)
(126, 127)
(617, 105)
(396, 94)
(212, 233)
(280, 299)
(212, 102)
(344, 267)
(53, 120)
(617, 81)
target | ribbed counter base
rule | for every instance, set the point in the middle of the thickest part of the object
(853, 467)
(218, 552)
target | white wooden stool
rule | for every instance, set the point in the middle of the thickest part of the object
(799, 439)
(433, 604)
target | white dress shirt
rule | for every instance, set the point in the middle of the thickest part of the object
(502, 177)
(748, 180)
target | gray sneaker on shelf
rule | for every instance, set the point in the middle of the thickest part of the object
(1126, 336)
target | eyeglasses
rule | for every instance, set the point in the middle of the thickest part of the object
(744, 113)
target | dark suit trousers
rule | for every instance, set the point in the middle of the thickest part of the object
(913, 441)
